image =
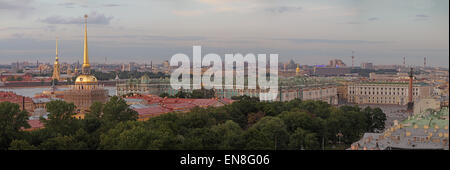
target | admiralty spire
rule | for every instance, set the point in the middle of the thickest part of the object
(86, 89)
(86, 68)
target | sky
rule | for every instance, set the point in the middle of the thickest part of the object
(307, 31)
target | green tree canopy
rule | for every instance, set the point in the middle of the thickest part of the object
(12, 119)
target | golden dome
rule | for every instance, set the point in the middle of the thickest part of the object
(85, 79)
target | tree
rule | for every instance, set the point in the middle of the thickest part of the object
(163, 95)
(21, 145)
(318, 108)
(302, 139)
(201, 139)
(256, 140)
(12, 119)
(130, 135)
(348, 121)
(239, 110)
(295, 119)
(252, 118)
(116, 110)
(375, 119)
(182, 94)
(229, 135)
(196, 118)
(62, 143)
(202, 94)
(274, 129)
(92, 119)
(60, 118)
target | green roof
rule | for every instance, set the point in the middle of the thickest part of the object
(399, 83)
(439, 118)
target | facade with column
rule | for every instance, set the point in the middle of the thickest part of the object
(395, 93)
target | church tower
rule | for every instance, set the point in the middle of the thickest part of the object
(56, 68)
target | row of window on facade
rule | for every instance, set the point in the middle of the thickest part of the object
(351, 88)
(383, 93)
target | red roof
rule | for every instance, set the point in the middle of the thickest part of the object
(12, 97)
(179, 106)
(152, 110)
(35, 124)
(151, 99)
(204, 102)
(165, 105)
(227, 101)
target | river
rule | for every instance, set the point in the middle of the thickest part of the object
(31, 91)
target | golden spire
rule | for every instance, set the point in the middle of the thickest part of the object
(86, 67)
(56, 71)
(56, 48)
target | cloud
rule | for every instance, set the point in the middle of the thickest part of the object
(330, 41)
(94, 18)
(353, 23)
(421, 17)
(283, 9)
(373, 19)
(153, 37)
(16, 7)
(188, 13)
(174, 38)
(111, 5)
(67, 4)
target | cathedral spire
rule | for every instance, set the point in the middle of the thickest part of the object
(56, 69)
(86, 67)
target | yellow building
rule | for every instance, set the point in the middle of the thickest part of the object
(386, 92)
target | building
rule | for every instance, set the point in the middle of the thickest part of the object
(367, 66)
(289, 89)
(24, 102)
(86, 89)
(4, 77)
(342, 93)
(143, 85)
(424, 105)
(326, 94)
(56, 66)
(386, 92)
(331, 71)
(388, 77)
(419, 132)
(336, 63)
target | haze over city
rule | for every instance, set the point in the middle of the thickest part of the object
(307, 31)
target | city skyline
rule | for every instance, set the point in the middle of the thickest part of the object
(308, 32)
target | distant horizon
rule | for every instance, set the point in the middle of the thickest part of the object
(309, 32)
